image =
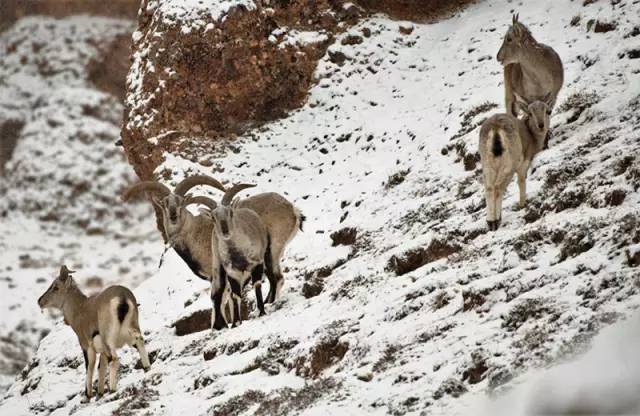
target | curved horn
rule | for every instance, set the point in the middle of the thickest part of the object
(228, 196)
(208, 202)
(145, 186)
(183, 187)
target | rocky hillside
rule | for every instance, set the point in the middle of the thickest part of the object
(396, 300)
(61, 171)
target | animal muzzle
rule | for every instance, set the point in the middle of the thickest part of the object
(224, 228)
(173, 216)
(500, 56)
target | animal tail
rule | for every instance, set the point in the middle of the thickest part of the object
(123, 309)
(497, 147)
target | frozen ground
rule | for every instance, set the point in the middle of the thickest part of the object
(59, 198)
(413, 308)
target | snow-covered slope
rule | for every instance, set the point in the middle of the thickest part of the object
(412, 308)
(59, 192)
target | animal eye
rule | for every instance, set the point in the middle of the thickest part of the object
(55, 288)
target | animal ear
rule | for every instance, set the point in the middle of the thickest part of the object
(520, 100)
(521, 104)
(548, 100)
(64, 273)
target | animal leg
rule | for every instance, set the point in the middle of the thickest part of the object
(492, 215)
(522, 186)
(91, 364)
(218, 287)
(113, 371)
(236, 296)
(102, 373)
(138, 343)
(268, 270)
(498, 203)
(256, 279)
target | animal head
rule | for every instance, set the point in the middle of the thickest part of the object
(54, 296)
(171, 204)
(517, 38)
(536, 114)
(222, 214)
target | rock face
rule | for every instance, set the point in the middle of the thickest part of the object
(15, 9)
(212, 69)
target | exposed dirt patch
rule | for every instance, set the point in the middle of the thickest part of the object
(136, 399)
(325, 354)
(396, 179)
(344, 237)
(418, 257)
(196, 322)
(388, 358)
(238, 404)
(478, 369)
(108, 72)
(10, 130)
(527, 309)
(472, 300)
(415, 10)
(578, 102)
(451, 387)
(604, 27)
(289, 401)
(577, 241)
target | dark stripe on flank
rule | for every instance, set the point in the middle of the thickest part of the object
(123, 308)
(496, 147)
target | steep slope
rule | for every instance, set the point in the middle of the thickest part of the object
(61, 176)
(396, 298)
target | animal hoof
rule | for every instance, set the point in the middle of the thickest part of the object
(146, 369)
(262, 313)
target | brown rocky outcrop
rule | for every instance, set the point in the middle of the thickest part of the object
(211, 73)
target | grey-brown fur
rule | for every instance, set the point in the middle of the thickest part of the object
(508, 145)
(531, 69)
(240, 238)
(101, 322)
(282, 220)
(188, 234)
